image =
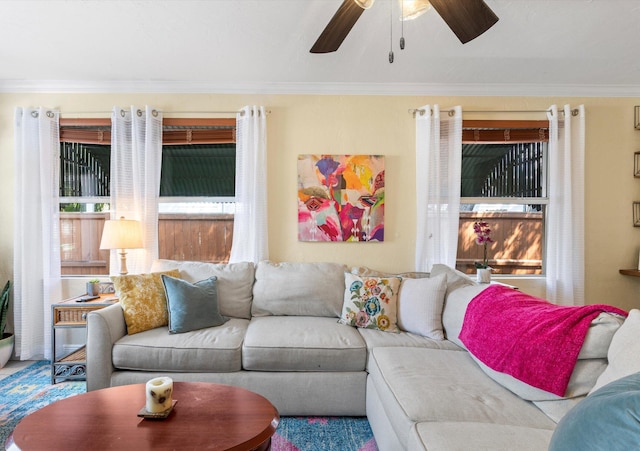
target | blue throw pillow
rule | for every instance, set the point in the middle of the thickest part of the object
(607, 419)
(192, 306)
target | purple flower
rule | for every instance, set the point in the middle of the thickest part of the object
(483, 238)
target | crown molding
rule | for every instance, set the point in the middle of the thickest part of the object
(385, 89)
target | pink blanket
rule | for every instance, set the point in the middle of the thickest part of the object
(528, 338)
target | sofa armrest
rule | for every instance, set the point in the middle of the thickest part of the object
(104, 328)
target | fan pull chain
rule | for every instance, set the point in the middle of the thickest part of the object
(402, 25)
(390, 31)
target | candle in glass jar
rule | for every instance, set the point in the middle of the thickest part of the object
(159, 391)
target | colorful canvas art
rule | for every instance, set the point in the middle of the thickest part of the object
(341, 198)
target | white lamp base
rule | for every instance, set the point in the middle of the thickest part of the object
(123, 262)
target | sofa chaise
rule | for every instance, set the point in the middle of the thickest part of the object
(306, 337)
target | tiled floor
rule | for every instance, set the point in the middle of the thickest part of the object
(14, 366)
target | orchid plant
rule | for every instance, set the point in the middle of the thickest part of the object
(483, 238)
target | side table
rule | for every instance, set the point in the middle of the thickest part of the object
(71, 314)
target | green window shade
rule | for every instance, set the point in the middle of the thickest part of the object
(503, 170)
(198, 170)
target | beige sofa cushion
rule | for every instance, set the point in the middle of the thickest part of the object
(583, 377)
(455, 306)
(558, 408)
(624, 352)
(440, 436)
(302, 343)
(434, 385)
(214, 349)
(298, 289)
(235, 282)
(365, 271)
(376, 339)
(455, 279)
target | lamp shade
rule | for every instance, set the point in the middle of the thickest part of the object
(121, 234)
(413, 8)
(364, 4)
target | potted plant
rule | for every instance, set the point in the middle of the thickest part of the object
(483, 238)
(7, 338)
(93, 287)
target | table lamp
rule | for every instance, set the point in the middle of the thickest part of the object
(122, 234)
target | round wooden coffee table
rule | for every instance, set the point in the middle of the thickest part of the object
(206, 416)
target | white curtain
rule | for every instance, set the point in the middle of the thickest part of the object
(438, 173)
(136, 158)
(36, 259)
(250, 239)
(565, 213)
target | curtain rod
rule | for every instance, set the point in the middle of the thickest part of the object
(414, 111)
(156, 112)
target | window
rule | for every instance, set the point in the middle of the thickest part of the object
(504, 183)
(197, 191)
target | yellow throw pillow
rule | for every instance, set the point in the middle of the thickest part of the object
(143, 300)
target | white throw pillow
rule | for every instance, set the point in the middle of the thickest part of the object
(420, 306)
(455, 279)
(624, 352)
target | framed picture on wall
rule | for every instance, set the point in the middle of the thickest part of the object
(341, 198)
(636, 214)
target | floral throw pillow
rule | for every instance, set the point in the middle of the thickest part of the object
(371, 302)
(143, 300)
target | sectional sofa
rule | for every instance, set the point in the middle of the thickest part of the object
(293, 333)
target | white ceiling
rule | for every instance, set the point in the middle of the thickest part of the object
(538, 47)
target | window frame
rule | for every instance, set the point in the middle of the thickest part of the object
(505, 131)
(176, 131)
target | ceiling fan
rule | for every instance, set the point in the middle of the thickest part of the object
(468, 19)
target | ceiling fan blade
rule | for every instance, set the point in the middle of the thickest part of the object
(338, 27)
(468, 19)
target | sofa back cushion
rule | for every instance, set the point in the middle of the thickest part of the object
(623, 352)
(455, 279)
(234, 282)
(455, 306)
(298, 289)
(584, 375)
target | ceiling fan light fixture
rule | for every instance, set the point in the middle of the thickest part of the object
(364, 4)
(412, 9)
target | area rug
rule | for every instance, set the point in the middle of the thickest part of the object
(30, 389)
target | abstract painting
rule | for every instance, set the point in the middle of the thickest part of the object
(341, 198)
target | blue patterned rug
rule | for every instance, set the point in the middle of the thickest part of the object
(27, 391)
(30, 389)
